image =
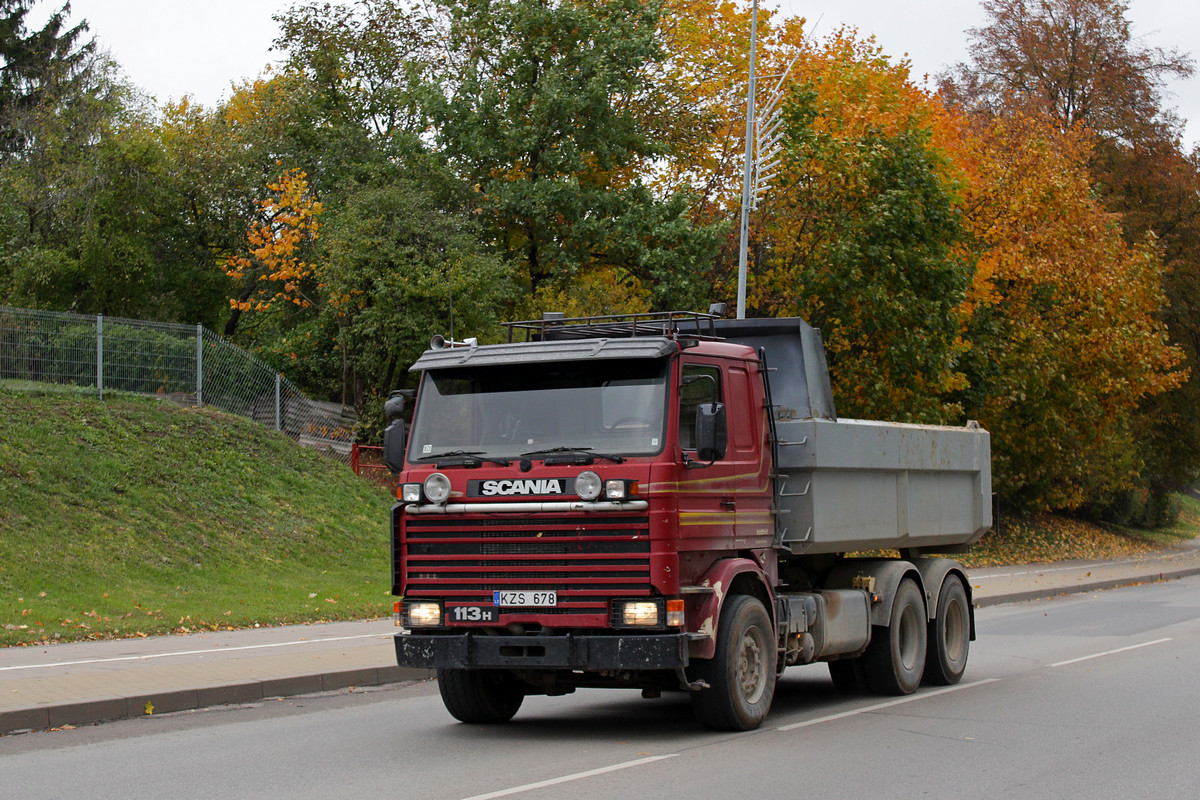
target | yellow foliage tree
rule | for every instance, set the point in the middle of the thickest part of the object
(273, 267)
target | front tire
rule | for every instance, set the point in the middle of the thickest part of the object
(480, 696)
(741, 674)
(949, 635)
(895, 658)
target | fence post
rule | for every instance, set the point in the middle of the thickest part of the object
(100, 355)
(199, 364)
(278, 380)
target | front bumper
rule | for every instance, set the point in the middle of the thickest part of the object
(565, 651)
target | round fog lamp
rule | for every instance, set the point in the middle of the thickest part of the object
(588, 485)
(437, 488)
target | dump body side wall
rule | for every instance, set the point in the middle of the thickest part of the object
(863, 485)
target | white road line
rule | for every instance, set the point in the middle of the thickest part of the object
(1058, 569)
(210, 651)
(529, 787)
(1110, 652)
(889, 704)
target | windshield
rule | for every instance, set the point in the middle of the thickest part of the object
(609, 407)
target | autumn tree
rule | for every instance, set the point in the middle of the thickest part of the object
(276, 266)
(697, 103)
(1063, 327)
(1076, 61)
(864, 235)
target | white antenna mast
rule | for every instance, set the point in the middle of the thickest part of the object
(764, 134)
(747, 173)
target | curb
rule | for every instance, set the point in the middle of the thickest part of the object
(107, 709)
(1091, 586)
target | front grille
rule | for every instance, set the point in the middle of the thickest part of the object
(586, 561)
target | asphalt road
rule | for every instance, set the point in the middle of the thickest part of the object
(1089, 696)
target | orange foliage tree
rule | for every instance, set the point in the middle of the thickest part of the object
(274, 266)
(1065, 338)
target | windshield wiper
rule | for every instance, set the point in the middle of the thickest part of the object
(463, 458)
(578, 452)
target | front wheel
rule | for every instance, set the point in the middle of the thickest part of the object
(741, 674)
(895, 658)
(949, 635)
(481, 696)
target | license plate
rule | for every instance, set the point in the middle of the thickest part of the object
(525, 597)
(473, 614)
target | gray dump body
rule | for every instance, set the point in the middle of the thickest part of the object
(848, 485)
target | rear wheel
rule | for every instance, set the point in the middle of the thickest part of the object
(480, 696)
(895, 659)
(741, 674)
(949, 635)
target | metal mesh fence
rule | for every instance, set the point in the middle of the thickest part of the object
(185, 363)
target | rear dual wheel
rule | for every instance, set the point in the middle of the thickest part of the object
(949, 635)
(895, 659)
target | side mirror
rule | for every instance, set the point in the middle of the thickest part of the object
(711, 432)
(393, 446)
(394, 435)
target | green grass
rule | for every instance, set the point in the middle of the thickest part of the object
(132, 516)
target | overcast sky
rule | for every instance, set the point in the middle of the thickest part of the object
(170, 48)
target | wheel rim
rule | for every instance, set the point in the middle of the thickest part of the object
(751, 672)
(955, 632)
(909, 637)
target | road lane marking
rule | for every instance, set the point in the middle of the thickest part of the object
(888, 704)
(1097, 565)
(210, 651)
(529, 787)
(1110, 652)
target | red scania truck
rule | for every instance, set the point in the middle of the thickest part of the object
(669, 502)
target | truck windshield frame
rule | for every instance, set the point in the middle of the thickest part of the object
(612, 406)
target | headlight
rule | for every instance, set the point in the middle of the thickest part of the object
(422, 614)
(588, 485)
(640, 613)
(437, 488)
(410, 493)
(618, 489)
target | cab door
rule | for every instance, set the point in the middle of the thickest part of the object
(725, 505)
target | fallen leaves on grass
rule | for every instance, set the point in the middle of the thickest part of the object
(1052, 538)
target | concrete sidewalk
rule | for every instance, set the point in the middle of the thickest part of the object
(85, 682)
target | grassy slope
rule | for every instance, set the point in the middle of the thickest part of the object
(134, 516)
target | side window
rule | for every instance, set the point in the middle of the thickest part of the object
(701, 384)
